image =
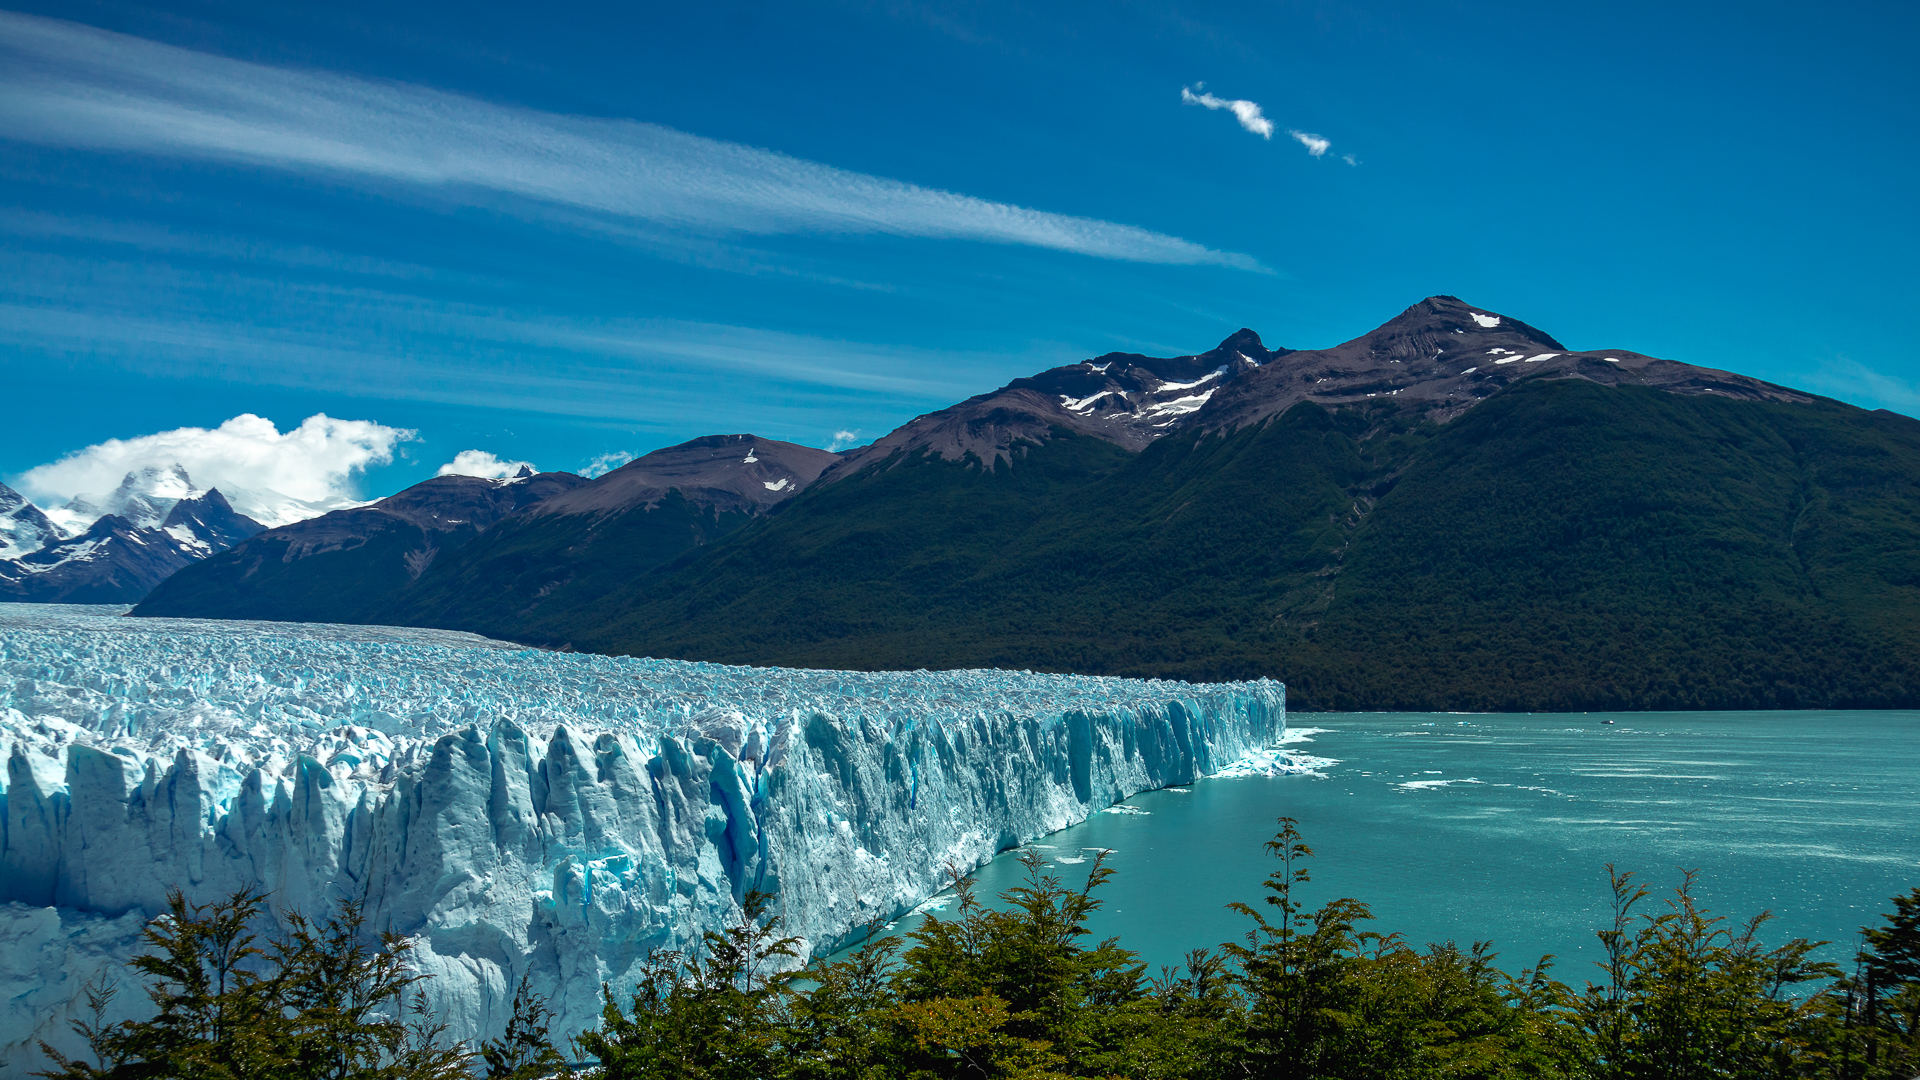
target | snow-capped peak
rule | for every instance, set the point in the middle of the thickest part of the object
(144, 498)
(23, 527)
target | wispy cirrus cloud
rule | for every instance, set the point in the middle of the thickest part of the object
(1247, 112)
(69, 85)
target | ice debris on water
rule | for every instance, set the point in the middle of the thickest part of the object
(520, 811)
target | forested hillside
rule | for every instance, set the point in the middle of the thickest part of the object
(1562, 546)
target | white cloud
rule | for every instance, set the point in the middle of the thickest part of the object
(64, 84)
(481, 463)
(273, 477)
(1315, 144)
(1247, 112)
(844, 438)
(606, 463)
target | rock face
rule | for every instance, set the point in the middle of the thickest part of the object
(519, 811)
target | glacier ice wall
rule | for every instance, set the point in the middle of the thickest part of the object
(515, 810)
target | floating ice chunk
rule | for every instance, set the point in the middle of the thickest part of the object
(1273, 761)
(1125, 809)
(1428, 785)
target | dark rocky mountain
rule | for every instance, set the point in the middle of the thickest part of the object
(1455, 511)
(118, 560)
(448, 549)
(1442, 357)
(344, 565)
(726, 473)
(1122, 398)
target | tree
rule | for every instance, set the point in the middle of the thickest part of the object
(710, 1014)
(1326, 999)
(1883, 997)
(1687, 995)
(321, 1000)
(525, 1051)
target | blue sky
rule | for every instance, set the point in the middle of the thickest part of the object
(555, 235)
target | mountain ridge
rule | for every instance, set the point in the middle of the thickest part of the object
(1293, 517)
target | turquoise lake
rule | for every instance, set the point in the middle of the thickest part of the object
(1499, 827)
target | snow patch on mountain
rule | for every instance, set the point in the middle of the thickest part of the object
(1208, 377)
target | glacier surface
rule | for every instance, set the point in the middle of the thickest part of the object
(520, 811)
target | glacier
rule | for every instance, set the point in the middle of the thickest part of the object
(518, 811)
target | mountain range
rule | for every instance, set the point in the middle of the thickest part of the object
(1453, 511)
(149, 527)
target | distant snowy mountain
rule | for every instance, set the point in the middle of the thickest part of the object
(23, 526)
(116, 548)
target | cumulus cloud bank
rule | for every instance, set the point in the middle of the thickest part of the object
(1247, 112)
(481, 463)
(271, 476)
(69, 85)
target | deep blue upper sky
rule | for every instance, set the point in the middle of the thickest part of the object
(553, 233)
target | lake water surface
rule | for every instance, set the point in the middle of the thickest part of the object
(1500, 826)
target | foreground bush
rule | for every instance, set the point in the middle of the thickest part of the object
(1019, 991)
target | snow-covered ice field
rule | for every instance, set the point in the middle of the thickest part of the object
(516, 810)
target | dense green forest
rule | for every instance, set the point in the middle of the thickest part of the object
(1018, 990)
(1561, 546)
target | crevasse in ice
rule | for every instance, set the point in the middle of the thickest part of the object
(515, 810)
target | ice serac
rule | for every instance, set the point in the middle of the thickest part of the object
(518, 811)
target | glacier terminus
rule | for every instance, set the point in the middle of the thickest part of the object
(518, 811)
